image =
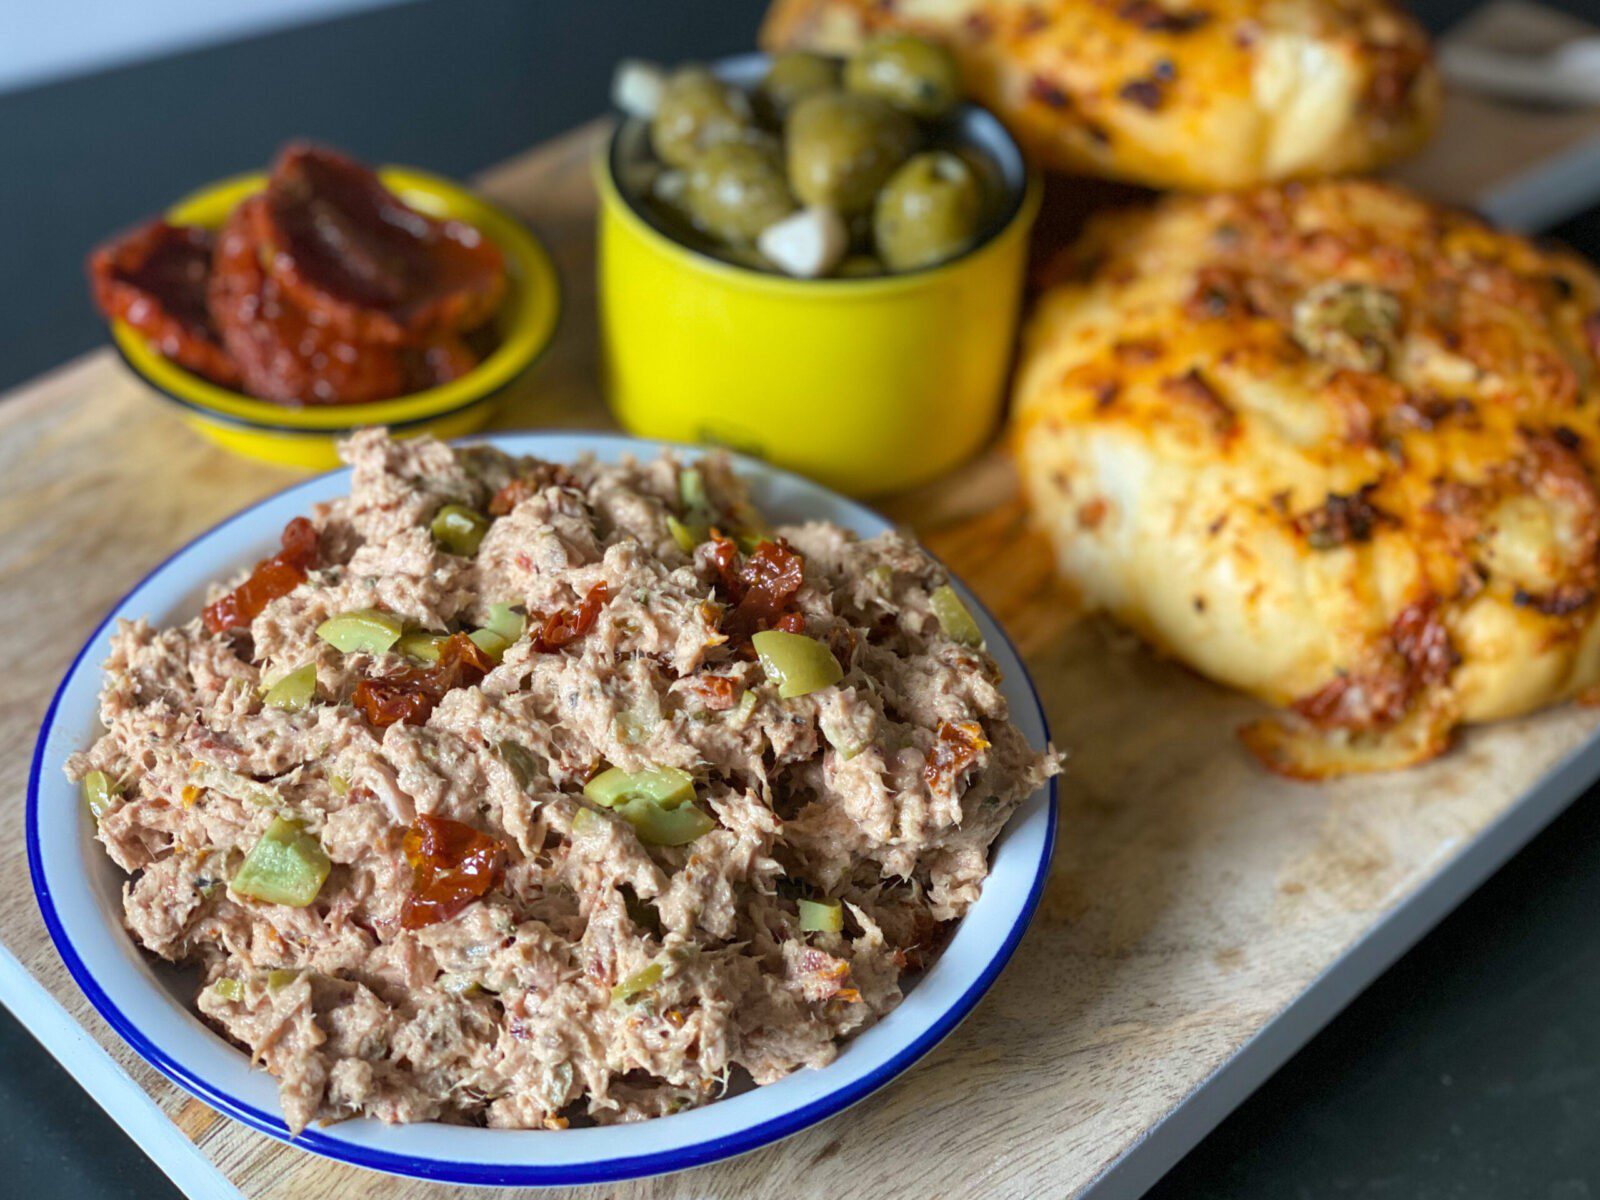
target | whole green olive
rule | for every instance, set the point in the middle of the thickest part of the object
(842, 147)
(697, 111)
(914, 75)
(735, 190)
(928, 212)
(794, 76)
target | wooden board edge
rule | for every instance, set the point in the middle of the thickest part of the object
(117, 1093)
(1164, 1145)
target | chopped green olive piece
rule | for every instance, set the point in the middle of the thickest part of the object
(667, 787)
(366, 630)
(339, 784)
(456, 984)
(658, 826)
(490, 642)
(657, 802)
(280, 977)
(235, 785)
(640, 981)
(686, 537)
(295, 690)
(698, 515)
(633, 727)
(954, 618)
(692, 491)
(98, 793)
(796, 663)
(422, 646)
(286, 866)
(228, 989)
(586, 821)
(460, 529)
(521, 762)
(821, 916)
(506, 621)
(840, 741)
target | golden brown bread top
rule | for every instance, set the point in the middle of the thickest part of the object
(1376, 421)
(1492, 340)
(1195, 94)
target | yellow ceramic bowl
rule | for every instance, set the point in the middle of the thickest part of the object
(867, 385)
(307, 436)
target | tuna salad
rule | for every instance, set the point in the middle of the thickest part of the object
(524, 794)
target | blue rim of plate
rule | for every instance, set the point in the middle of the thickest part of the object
(437, 1170)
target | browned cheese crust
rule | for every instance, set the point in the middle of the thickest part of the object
(1172, 94)
(1332, 445)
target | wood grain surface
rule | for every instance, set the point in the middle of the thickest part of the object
(1193, 897)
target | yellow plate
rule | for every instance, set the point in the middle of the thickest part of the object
(307, 436)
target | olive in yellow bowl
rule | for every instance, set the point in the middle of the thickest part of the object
(818, 263)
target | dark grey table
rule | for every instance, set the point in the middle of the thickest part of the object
(1468, 1070)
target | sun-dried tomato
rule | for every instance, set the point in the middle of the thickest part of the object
(725, 562)
(271, 578)
(954, 750)
(443, 360)
(761, 589)
(394, 700)
(1417, 655)
(365, 264)
(452, 864)
(791, 622)
(513, 494)
(410, 696)
(717, 692)
(568, 625)
(154, 278)
(283, 354)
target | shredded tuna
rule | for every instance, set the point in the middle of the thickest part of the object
(490, 946)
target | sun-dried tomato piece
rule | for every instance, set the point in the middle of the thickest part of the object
(154, 278)
(394, 699)
(282, 354)
(410, 696)
(271, 577)
(368, 265)
(761, 588)
(1415, 657)
(441, 361)
(513, 494)
(452, 864)
(568, 625)
(717, 692)
(725, 562)
(954, 750)
(820, 976)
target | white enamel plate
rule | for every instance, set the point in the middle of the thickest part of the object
(150, 1006)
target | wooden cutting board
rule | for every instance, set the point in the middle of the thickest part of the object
(1201, 921)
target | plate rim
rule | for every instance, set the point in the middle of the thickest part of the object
(762, 1132)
